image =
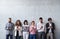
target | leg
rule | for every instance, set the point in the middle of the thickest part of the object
(39, 35)
(30, 37)
(16, 37)
(11, 36)
(51, 35)
(24, 35)
(47, 35)
(27, 35)
(7, 36)
(34, 36)
(43, 35)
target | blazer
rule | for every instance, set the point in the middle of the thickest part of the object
(9, 31)
(15, 31)
(47, 29)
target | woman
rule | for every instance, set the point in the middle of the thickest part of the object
(18, 29)
(25, 30)
(32, 30)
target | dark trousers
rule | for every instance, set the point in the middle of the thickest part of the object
(41, 35)
(32, 36)
(18, 37)
(9, 36)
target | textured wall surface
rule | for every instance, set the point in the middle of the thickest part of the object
(31, 10)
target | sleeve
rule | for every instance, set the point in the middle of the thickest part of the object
(47, 26)
(53, 26)
(12, 26)
(38, 27)
(6, 28)
(15, 28)
(30, 28)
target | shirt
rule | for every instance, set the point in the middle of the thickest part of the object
(40, 27)
(32, 29)
(25, 28)
(50, 28)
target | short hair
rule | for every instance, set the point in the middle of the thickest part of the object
(40, 18)
(26, 22)
(10, 18)
(49, 19)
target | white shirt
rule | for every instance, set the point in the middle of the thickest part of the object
(39, 25)
(50, 28)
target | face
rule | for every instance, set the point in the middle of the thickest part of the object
(9, 20)
(18, 23)
(41, 20)
(26, 23)
(50, 20)
(33, 23)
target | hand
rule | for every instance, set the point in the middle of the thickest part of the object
(41, 27)
(9, 28)
(51, 27)
(18, 28)
(48, 27)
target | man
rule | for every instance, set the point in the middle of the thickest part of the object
(50, 27)
(9, 29)
(41, 29)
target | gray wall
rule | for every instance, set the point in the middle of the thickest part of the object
(31, 10)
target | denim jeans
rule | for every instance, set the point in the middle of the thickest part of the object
(9, 36)
(41, 35)
(32, 36)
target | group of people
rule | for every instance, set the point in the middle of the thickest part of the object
(33, 31)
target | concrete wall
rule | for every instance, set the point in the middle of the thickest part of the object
(31, 10)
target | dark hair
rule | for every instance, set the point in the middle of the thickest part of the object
(41, 18)
(10, 18)
(20, 24)
(26, 22)
(49, 19)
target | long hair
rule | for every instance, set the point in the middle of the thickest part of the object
(20, 24)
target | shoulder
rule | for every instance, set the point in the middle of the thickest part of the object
(38, 23)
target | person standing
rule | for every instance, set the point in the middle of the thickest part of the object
(50, 27)
(9, 29)
(32, 30)
(41, 29)
(25, 30)
(18, 30)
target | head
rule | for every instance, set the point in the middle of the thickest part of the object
(50, 19)
(33, 23)
(25, 22)
(18, 23)
(41, 19)
(9, 20)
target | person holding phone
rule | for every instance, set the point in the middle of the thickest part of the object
(41, 29)
(9, 29)
(18, 30)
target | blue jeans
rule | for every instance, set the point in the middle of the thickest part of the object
(41, 35)
(9, 36)
(32, 36)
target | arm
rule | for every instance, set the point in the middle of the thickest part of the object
(38, 27)
(30, 29)
(6, 27)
